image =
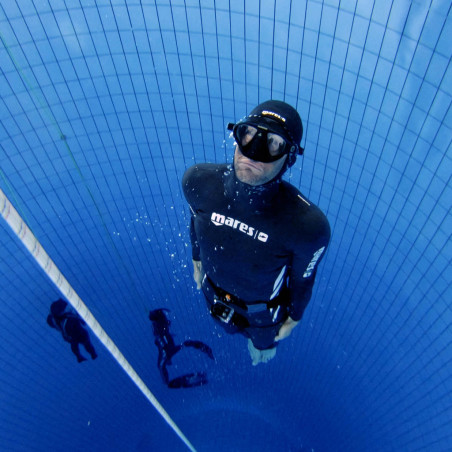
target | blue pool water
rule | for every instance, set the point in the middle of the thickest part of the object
(105, 104)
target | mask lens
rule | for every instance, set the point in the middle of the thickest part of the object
(244, 133)
(276, 144)
(259, 143)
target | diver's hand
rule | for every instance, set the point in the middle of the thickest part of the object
(198, 273)
(286, 329)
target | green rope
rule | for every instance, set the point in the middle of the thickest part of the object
(47, 111)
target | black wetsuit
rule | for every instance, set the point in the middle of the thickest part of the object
(167, 349)
(260, 244)
(72, 328)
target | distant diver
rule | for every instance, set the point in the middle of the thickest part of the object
(71, 327)
(167, 349)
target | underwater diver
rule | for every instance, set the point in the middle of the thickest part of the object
(167, 349)
(72, 328)
(256, 240)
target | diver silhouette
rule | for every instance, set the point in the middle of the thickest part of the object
(71, 327)
(167, 349)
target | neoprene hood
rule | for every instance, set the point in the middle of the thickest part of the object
(285, 118)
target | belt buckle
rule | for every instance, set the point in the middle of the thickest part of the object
(222, 311)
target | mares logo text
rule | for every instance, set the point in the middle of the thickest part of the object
(221, 220)
(314, 260)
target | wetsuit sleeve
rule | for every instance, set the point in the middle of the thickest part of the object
(302, 277)
(194, 241)
(300, 294)
(188, 186)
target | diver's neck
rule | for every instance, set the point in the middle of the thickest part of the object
(256, 196)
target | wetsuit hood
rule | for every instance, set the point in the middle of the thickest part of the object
(58, 308)
(277, 117)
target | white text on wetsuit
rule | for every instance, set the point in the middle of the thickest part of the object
(219, 220)
(314, 260)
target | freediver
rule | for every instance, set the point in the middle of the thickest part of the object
(71, 327)
(256, 240)
(167, 349)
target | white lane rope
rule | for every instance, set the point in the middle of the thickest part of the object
(24, 234)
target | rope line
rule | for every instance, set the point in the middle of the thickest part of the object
(24, 234)
(13, 194)
(45, 108)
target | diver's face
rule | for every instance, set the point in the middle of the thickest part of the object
(254, 173)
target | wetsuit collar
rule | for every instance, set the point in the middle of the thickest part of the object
(258, 197)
